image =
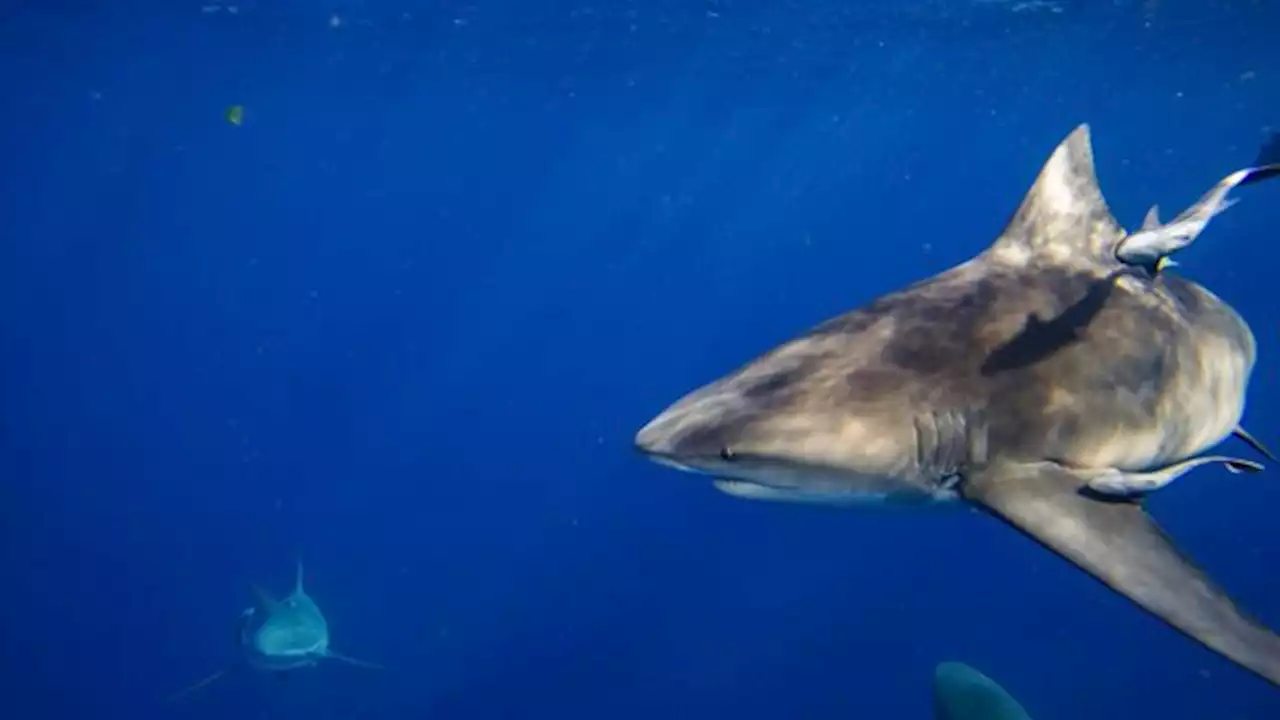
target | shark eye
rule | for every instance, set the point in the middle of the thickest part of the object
(726, 453)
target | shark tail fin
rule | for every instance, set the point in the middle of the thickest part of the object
(334, 655)
(1064, 215)
(197, 686)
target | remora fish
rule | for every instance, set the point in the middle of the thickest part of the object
(1010, 382)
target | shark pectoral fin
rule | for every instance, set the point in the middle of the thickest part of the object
(192, 688)
(1254, 443)
(353, 661)
(1119, 544)
(1122, 484)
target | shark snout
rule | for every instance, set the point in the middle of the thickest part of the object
(692, 434)
(658, 437)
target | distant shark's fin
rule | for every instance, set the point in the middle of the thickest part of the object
(1119, 483)
(1064, 214)
(1152, 220)
(1254, 443)
(197, 686)
(960, 692)
(335, 655)
(1119, 544)
(1148, 245)
(264, 598)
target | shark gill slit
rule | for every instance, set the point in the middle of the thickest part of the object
(941, 444)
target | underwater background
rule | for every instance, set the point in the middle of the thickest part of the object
(387, 287)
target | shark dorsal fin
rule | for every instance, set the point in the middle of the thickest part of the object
(1063, 219)
(297, 583)
(1152, 220)
(265, 599)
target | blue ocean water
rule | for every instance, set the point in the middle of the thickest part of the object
(403, 321)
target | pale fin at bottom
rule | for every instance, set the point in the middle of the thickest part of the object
(961, 692)
(1119, 544)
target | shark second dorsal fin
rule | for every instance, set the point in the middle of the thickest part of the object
(1063, 219)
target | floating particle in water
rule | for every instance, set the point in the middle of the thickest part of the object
(235, 114)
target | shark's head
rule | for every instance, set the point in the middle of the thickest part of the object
(781, 428)
(293, 630)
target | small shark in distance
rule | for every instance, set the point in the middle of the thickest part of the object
(1032, 381)
(292, 634)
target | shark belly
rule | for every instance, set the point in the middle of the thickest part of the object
(1176, 388)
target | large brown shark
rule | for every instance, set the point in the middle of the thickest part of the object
(1038, 380)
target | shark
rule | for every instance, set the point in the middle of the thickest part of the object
(1052, 360)
(291, 634)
